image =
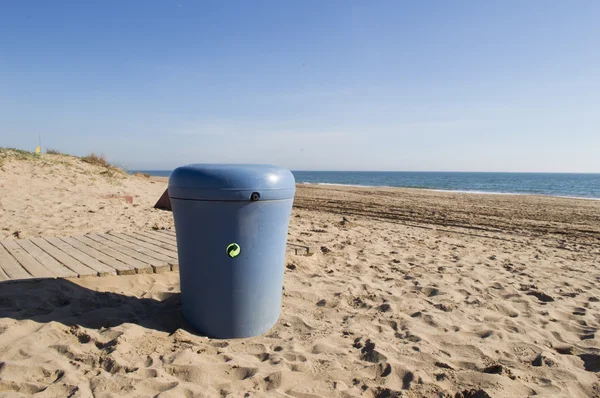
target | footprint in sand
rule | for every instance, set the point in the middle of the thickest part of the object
(263, 356)
(579, 311)
(591, 362)
(294, 357)
(147, 373)
(543, 297)
(589, 334)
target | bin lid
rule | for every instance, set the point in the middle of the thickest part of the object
(231, 182)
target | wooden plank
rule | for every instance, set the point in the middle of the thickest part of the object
(154, 265)
(168, 238)
(11, 267)
(143, 247)
(101, 269)
(156, 237)
(136, 265)
(74, 265)
(174, 266)
(307, 250)
(159, 237)
(122, 269)
(168, 256)
(3, 276)
(167, 249)
(44, 258)
(32, 266)
(170, 234)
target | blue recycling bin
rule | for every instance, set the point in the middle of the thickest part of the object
(231, 223)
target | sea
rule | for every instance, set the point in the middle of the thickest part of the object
(584, 186)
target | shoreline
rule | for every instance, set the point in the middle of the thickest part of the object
(453, 191)
(446, 190)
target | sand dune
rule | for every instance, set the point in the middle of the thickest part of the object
(61, 195)
(411, 293)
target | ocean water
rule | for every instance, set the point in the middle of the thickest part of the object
(549, 184)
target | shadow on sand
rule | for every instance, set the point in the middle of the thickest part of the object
(59, 300)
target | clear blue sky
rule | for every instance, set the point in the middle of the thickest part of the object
(312, 85)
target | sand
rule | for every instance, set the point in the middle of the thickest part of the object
(61, 195)
(411, 293)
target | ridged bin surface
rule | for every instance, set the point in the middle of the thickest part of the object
(223, 296)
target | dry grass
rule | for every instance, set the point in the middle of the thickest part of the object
(16, 153)
(140, 174)
(13, 153)
(100, 161)
(97, 160)
(108, 170)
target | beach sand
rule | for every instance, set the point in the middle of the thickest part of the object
(61, 195)
(411, 293)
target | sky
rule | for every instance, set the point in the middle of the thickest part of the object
(306, 85)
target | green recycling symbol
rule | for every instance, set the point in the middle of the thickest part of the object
(234, 250)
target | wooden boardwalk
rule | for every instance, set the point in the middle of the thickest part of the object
(114, 253)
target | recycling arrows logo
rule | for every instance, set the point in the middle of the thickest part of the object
(234, 250)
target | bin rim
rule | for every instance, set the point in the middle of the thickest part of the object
(231, 182)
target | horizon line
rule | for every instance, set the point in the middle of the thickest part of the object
(415, 171)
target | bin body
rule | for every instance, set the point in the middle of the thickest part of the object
(231, 245)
